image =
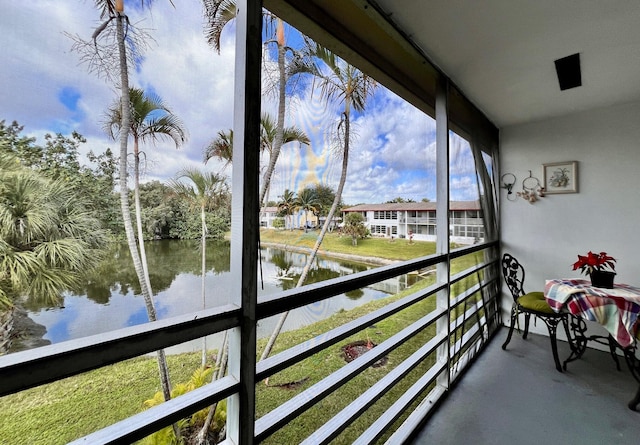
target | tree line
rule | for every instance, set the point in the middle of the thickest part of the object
(165, 214)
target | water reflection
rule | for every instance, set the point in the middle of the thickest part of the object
(110, 299)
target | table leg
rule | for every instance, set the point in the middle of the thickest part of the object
(634, 368)
(575, 329)
(613, 346)
(578, 342)
(633, 404)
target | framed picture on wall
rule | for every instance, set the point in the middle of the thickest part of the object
(560, 177)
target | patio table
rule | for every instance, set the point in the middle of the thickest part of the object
(616, 309)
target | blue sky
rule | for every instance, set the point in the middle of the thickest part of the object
(45, 88)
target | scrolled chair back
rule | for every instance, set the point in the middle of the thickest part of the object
(513, 274)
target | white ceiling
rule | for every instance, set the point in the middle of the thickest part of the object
(501, 53)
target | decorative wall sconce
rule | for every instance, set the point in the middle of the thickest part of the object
(531, 189)
(508, 181)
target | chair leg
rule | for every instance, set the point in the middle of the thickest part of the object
(514, 316)
(527, 318)
(553, 326)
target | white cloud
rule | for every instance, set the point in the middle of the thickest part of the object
(392, 154)
(37, 62)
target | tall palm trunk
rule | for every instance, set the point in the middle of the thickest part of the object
(279, 136)
(138, 209)
(124, 199)
(203, 247)
(323, 232)
(277, 143)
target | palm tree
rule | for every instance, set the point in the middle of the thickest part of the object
(150, 120)
(221, 147)
(203, 193)
(268, 142)
(218, 14)
(349, 86)
(308, 202)
(287, 205)
(114, 10)
(47, 237)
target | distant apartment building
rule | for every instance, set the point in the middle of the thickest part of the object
(298, 220)
(267, 216)
(400, 220)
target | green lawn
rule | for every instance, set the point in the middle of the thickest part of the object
(65, 410)
(398, 249)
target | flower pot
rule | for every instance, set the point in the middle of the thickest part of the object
(601, 278)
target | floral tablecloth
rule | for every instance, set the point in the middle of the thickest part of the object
(616, 309)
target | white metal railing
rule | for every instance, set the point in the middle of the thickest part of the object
(467, 332)
(414, 220)
(467, 221)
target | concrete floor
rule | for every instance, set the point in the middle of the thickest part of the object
(516, 397)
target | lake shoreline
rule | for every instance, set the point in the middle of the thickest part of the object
(376, 261)
(30, 334)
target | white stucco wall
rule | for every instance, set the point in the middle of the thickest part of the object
(604, 215)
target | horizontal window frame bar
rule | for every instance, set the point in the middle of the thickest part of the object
(291, 356)
(474, 336)
(275, 419)
(280, 302)
(469, 272)
(466, 250)
(384, 422)
(155, 418)
(464, 296)
(337, 423)
(416, 418)
(27, 369)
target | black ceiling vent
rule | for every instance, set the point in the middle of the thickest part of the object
(568, 69)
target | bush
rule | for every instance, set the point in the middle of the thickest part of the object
(278, 223)
(191, 426)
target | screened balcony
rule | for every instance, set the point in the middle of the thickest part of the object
(517, 396)
(438, 366)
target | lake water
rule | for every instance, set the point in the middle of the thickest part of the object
(111, 298)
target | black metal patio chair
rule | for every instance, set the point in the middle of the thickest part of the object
(531, 303)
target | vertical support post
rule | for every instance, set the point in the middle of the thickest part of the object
(443, 274)
(244, 218)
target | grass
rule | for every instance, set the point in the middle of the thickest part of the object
(330, 360)
(399, 249)
(62, 411)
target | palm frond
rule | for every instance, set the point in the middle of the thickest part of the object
(221, 147)
(151, 119)
(18, 267)
(47, 285)
(204, 189)
(46, 235)
(66, 253)
(292, 134)
(217, 13)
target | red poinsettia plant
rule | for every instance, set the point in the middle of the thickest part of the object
(594, 261)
